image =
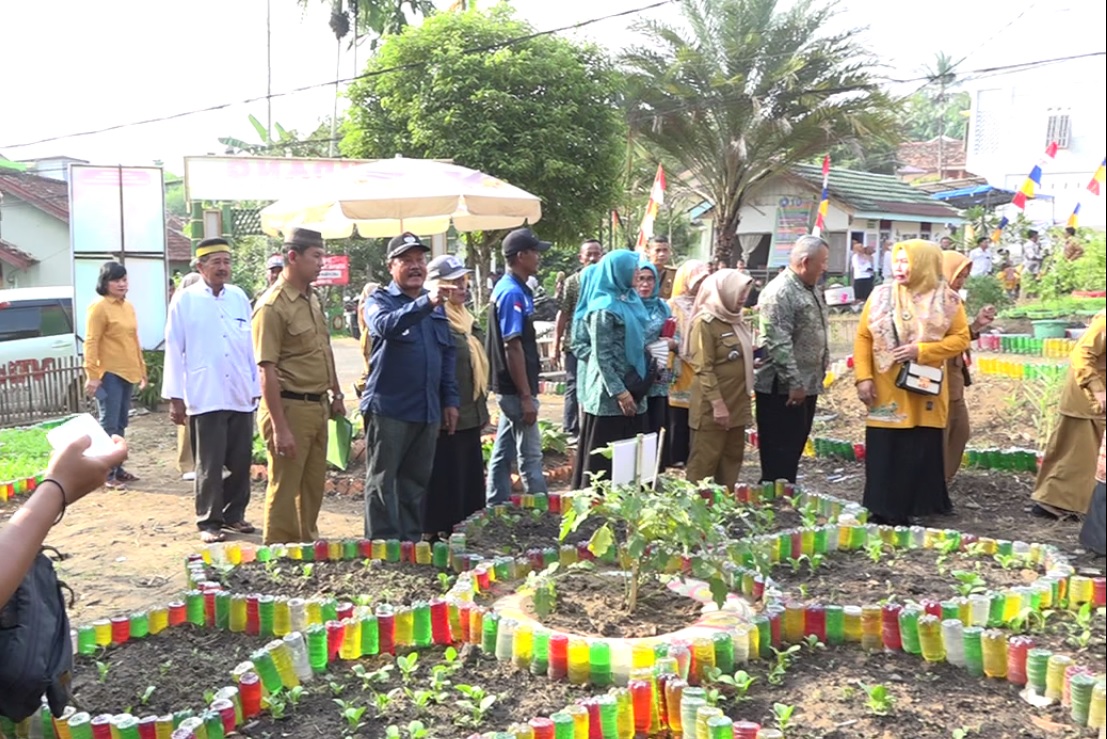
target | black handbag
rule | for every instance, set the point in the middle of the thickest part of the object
(918, 378)
(637, 385)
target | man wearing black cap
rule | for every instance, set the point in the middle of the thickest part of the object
(513, 353)
(411, 392)
(292, 347)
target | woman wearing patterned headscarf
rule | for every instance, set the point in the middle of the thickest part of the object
(914, 318)
(719, 346)
(609, 336)
(685, 286)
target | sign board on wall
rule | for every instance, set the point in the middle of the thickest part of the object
(793, 219)
(118, 213)
(256, 178)
(335, 271)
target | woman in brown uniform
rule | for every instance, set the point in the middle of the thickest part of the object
(1067, 476)
(720, 350)
(955, 267)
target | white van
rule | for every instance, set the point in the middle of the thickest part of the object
(38, 353)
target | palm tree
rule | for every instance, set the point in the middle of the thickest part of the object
(376, 17)
(943, 74)
(743, 91)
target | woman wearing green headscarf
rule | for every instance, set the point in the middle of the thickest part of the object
(611, 342)
(648, 286)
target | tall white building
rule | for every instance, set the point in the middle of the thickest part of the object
(1016, 112)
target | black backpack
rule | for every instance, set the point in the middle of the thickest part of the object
(36, 650)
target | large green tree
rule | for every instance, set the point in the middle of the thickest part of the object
(742, 89)
(539, 113)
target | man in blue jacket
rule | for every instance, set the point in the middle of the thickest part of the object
(411, 392)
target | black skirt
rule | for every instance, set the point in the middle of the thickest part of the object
(596, 432)
(457, 481)
(905, 474)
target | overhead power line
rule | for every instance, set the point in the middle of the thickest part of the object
(330, 83)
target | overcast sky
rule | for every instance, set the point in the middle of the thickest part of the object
(68, 66)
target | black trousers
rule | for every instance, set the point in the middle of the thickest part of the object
(221, 439)
(783, 430)
(657, 418)
(570, 420)
(679, 441)
(401, 459)
(862, 287)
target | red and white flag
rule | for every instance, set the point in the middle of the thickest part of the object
(657, 199)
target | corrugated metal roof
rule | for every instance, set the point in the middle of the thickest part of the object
(868, 192)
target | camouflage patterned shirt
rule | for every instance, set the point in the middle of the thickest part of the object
(793, 333)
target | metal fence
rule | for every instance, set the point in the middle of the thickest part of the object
(54, 388)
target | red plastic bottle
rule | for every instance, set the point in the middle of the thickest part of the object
(253, 622)
(336, 631)
(559, 657)
(120, 629)
(365, 548)
(177, 613)
(440, 622)
(1017, 647)
(641, 693)
(814, 622)
(891, 635)
(386, 626)
(249, 690)
(407, 551)
(322, 551)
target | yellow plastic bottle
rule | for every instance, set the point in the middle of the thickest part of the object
(282, 617)
(993, 643)
(282, 658)
(405, 623)
(851, 623)
(314, 610)
(578, 661)
(351, 640)
(523, 646)
(703, 651)
(423, 557)
(794, 615)
(159, 619)
(930, 638)
(238, 613)
(871, 627)
(1055, 675)
(102, 628)
(641, 656)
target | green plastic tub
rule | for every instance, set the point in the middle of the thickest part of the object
(1051, 329)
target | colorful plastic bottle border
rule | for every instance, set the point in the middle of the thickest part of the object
(708, 642)
(26, 485)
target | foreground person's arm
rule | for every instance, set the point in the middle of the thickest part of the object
(70, 477)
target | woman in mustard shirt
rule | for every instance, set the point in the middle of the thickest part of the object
(113, 356)
(914, 318)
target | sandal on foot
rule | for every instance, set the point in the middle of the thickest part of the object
(240, 527)
(124, 476)
(211, 537)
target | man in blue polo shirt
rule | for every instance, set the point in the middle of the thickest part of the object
(513, 354)
(411, 392)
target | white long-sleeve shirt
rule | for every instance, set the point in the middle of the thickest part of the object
(209, 353)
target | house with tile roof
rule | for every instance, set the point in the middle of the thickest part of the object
(871, 208)
(34, 230)
(940, 158)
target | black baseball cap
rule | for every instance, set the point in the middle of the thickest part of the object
(404, 243)
(523, 239)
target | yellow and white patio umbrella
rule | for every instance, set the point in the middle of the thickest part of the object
(390, 196)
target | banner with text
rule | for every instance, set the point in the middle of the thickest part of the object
(793, 219)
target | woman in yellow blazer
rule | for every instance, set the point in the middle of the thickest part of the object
(113, 356)
(914, 318)
(1067, 477)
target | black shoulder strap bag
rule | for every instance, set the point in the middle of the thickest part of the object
(912, 376)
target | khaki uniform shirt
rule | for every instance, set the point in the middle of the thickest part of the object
(720, 374)
(290, 332)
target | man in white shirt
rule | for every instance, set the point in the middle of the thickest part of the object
(981, 258)
(886, 261)
(1032, 253)
(211, 381)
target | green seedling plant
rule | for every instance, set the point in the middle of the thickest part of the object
(543, 587)
(783, 660)
(878, 700)
(307, 570)
(165, 667)
(295, 695)
(1080, 631)
(414, 730)
(102, 669)
(445, 582)
(381, 702)
(782, 717)
(338, 688)
(647, 530)
(811, 641)
(738, 685)
(874, 550)
(976, 549)
(408, 664)
(353, 715)
(810, 517)
(369, 678)
(969, 583)
(1030, 621)
(476, 702)
(1007, 561)
(144, 696)
(276, 703)
(962, 732)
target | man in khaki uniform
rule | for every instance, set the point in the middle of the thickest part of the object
(660, 254)
(293, 350)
